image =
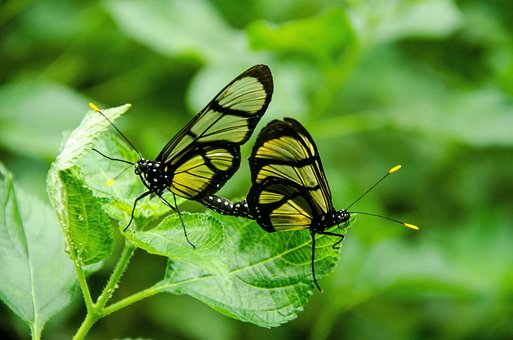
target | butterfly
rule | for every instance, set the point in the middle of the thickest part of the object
(289, 188)
(205, 153)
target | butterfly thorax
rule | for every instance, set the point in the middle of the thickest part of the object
(336, 218)
(153, 175)
(340, 216)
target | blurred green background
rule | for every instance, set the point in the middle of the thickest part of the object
(423, 83)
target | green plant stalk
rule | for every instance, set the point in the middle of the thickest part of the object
(86, 325)
(85, 292)
(35, 331)
(97, 311)
(157, 288)
(80, 274)
(119, 270)
(82, 281)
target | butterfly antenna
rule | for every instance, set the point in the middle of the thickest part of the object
(95, 108)
(111, 181)
(389, 172)
(408, 225)
(112, 158)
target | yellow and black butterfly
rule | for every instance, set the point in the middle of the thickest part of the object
(289, 189)
(204, 154)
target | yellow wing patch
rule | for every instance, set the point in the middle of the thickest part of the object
(196, 174)
(226, 128)
(289, 159)
(290, 216)
(246, 94)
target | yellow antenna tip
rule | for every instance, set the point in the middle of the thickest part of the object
(394, 169)
(94, 107)
(110, 182)
(411, 226)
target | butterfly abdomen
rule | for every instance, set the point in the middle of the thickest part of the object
(227, 207)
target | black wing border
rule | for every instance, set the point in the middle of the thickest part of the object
(263, 74)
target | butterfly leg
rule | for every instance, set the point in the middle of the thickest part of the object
(175, 209)
(336, 245)
(183, 224)
(312, 233)
(133, 208)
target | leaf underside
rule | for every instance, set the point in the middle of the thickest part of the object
(38, 278)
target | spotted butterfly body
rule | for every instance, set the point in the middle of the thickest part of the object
(205, 153)
(289, 190)
(227, 207)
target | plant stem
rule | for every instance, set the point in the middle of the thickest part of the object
(143, 294)
(126, 255)
(83, 285)
(35, 331)
(86, 325)
(97, 311)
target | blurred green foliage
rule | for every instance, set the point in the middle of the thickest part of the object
(424, 83)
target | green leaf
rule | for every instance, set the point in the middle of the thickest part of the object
(487, 108)
(178, 27)
(427, 18)
(84, 137)
(323, 36)
(33, 115)
(477, 117)
(168, 239)
(107, 178)
(79, 143)
(86, 226)
(84, 223)
(255, 276)
(38, 279)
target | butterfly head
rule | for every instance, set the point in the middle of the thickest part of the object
(340, 216)
(141, 166)
(152, 174)
(330, 220)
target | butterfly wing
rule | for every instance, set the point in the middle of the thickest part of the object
(289, 189)
(206, 152)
